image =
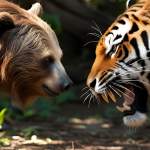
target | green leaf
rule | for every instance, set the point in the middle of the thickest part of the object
(112, 113)
(53, 21)
(96, 116)
(61, 119)
(43, 114)
(30, 131)
(28, 113)
(5, 142)
(2, 115)
(94, 133)
(55, 108)
(95, 3)
(70, 95)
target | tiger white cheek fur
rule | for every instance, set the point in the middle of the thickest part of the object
(122, 63)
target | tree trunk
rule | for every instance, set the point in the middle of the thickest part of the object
(77, 17)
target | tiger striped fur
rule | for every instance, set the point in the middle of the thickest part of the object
(122, 63)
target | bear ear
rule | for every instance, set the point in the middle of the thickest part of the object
(6, 22)
(129, 3)
(36, 9)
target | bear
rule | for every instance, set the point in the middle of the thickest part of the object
(30, 55)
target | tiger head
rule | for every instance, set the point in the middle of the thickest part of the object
(122, 64)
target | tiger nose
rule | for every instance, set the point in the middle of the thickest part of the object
(93, 83)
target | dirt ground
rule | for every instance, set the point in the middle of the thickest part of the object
(77, 131)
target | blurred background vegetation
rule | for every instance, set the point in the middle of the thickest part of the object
(72, 21)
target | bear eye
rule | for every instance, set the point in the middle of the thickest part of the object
(49, 60)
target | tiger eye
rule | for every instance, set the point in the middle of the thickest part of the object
(114, 47)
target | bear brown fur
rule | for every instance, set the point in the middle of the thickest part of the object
(29, 55)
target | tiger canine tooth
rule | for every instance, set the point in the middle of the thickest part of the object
(105, 98)
(126, 107)
(120, 109)
(112, 96)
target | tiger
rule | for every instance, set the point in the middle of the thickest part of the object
(122, 64)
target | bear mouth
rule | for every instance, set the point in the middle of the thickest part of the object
(49, 92)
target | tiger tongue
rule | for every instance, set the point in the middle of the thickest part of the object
(129, 97)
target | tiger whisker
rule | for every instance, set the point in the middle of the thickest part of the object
(90, 42)
(99, 102)
(122, 92)
(133, 71)
(95, 34)
(123, 87)
(90, 101)
(93, 98)
(115, 91)
(136, 69)
(126, 72)
(86, 98)
(98, 28)
(84, 88)
(136, 80)
(128, 83)
(105, 94)
(85, 93)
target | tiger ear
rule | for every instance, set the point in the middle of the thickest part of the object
(36, 9)
(144, 8)
(129, 3)
(6, 22)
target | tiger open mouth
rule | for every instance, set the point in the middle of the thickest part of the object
(135, 99)
(135, 105)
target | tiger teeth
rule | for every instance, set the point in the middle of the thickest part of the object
(105, 98)
(126, 107)
(120, 109)
(112, 96)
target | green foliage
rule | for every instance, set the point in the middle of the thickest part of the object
(43, 114)
(65, 97)
(28, 113)
(130, 132)
(94, 133)
(53, 21)
(112, 113)
(45, 105)
(2, 116)
(30, 131)
(4, 142)
(43, 108)
(61, 119)
(96, 116)
(95, 3)
(11, 132)
(17, 115)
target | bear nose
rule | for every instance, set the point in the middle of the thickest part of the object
(65, 85)
(93, 83)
